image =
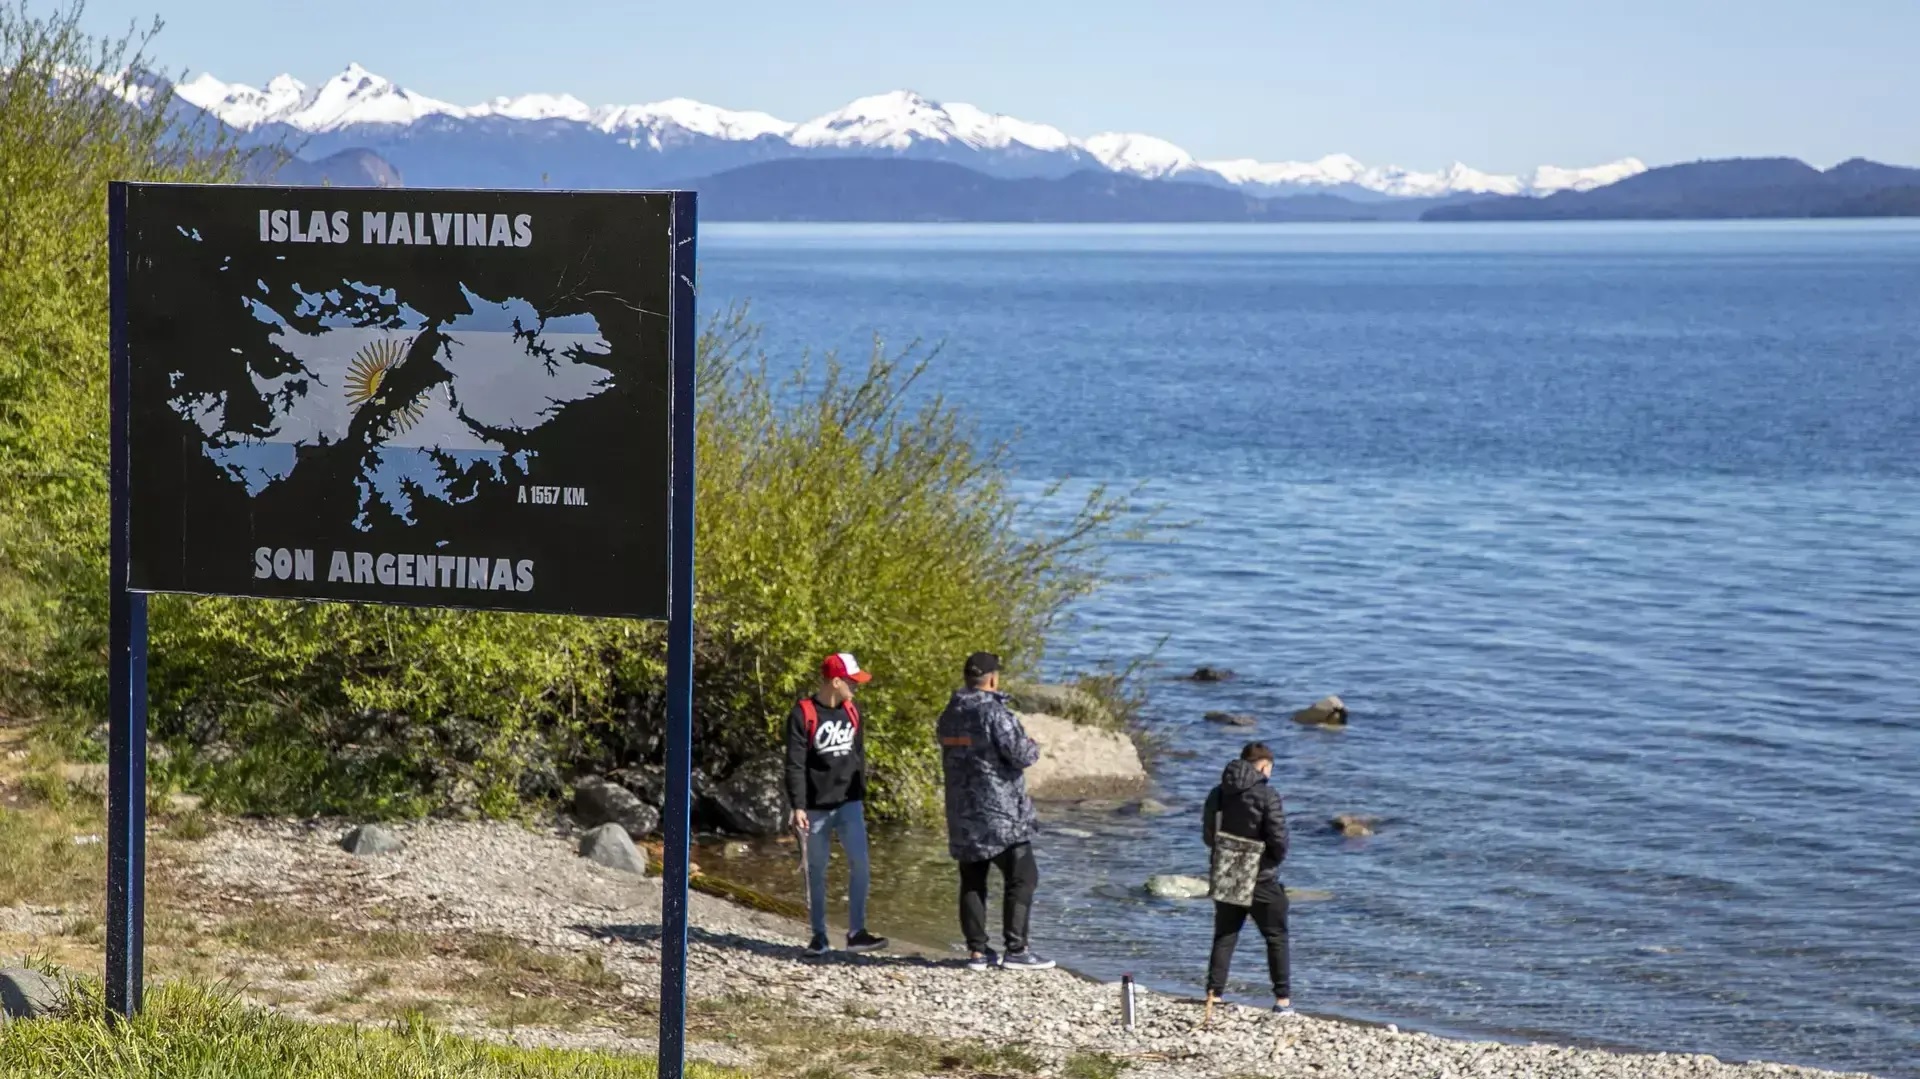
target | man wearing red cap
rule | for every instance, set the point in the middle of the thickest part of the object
(826, 786)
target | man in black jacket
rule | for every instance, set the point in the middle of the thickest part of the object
(1244, 805)
(826, 778)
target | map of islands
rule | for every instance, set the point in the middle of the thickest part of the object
(506, 371)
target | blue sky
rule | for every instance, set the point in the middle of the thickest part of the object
(1501, 85)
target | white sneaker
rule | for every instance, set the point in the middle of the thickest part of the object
(1025, 959)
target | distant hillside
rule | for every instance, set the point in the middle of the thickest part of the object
(894, 189)
(347, 168)
(1735, 188)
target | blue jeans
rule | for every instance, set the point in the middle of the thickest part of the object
(850, 820)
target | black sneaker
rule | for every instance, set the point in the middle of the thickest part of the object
(818, 945)
(1025, 960)
(864, 941)
(986, 960)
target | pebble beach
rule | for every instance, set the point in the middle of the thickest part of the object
(531, 885)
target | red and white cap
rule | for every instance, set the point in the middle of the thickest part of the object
(843, 665)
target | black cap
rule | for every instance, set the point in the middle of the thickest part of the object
(981, 664)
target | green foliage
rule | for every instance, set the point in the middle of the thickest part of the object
(189, 1030)
(838, 510)
(65, 131)
(379, 711)
(836, 515)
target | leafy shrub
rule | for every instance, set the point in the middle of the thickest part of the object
(65, 131)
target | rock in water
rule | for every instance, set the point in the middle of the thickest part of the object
(1174, 886)
(1231, 719)
(1210, 674)
(611, 846)
(1325, 712)
(753, 800)
(597, 801)
(1146, 807)
(1353, 826)
(371, 839)
(29, 994)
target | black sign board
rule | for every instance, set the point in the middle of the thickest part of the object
(431, 398)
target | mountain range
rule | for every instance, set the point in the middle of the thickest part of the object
(901, 157)
(1733, 188)
(558, 140)
(903, 189)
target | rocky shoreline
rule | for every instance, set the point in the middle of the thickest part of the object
(1077, 760)
(534, 886)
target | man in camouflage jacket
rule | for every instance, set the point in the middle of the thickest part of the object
(985, 753)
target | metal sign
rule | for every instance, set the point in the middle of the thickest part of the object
(451, 398)
(429, 398)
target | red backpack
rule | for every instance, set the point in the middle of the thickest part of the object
(810, 716)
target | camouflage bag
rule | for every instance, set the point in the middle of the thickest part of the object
(1235, 868)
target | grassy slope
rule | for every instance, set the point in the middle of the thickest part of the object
(192, 1031)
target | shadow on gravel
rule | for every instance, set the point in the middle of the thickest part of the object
(648, 933)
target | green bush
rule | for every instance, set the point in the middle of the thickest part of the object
(838, 510)
(64, 132)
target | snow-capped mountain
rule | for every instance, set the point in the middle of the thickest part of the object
(559, 139)
(1341, 170)
(1141, 155)
(898, 120)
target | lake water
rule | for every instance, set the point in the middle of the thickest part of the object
(1609, 536)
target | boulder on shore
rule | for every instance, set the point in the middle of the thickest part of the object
(1077, 761)
(29, 994)
(1354, 826)
(598, 801)
(1176, 886)
(752, 801)
(1210, 674)
(649, 784)
(611, 846)
(1325, 712)
(370, 839)
(1231, 719)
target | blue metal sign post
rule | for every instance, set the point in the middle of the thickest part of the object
(675, 818)
(126, 667)
(170, 248)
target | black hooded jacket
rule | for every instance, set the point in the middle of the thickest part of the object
(1249, 808)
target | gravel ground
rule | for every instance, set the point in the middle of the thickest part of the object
(531, 886)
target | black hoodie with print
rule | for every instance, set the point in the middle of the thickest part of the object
(828, 767)
(1245, 805)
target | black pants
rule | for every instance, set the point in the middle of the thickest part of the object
(1269, 912)
(1019, 875)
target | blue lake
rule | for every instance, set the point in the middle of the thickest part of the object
(1608, 535)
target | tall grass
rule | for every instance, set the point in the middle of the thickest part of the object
(193, 1031)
